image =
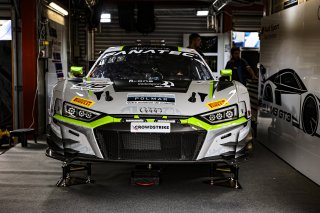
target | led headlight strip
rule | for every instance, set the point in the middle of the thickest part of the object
(79, 113)
(222, 115)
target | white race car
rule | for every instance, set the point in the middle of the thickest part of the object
(149, 104)
(291, 100)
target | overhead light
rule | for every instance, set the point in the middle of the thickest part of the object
(219, 4)
(105, 18)
(105, 15)
(202, 12)
(58, 9)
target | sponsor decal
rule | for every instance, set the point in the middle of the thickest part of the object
(216, 104)
(152, 51)
(94, 87)
(277, 112)
(151, 83)
(82, 101)
(151, 98)
(150, 127)
(167, 84)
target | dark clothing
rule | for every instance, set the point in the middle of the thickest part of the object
(199, 51)
(239, 70)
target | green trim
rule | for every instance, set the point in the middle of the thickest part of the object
(211, 89)
(90, 93)
(108, 119)
(226, 73)
(92, 124)
(206, 126)
(164, 117)
(151, 120)
(136, 116)
(121, 48)
(76, 70)
(179, 49)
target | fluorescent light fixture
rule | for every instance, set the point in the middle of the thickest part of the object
(219, 4)
(58, 9)
(202, 12)
(105, 15)
(105, 18)
(222, 6)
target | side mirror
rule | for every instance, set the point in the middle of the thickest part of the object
(226, 74)
(76, 71)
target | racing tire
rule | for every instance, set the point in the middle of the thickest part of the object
(268, 93)
(310, 115)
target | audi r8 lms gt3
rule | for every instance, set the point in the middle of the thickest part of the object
(149, 104)
(286, 90)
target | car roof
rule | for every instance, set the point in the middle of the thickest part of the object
(287, 70)
(149, 47)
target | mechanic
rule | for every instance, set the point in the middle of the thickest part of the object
(240, 67)
(195, 43)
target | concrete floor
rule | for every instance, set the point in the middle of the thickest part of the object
(28, 177)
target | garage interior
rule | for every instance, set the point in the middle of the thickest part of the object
(43, 41)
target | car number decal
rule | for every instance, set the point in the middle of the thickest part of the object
(94, 87)
(216, 104)
(82, 101)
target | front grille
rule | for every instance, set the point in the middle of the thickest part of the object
(123, 145)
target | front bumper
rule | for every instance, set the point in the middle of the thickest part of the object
(188, 142)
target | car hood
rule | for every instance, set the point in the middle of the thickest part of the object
(168, 98)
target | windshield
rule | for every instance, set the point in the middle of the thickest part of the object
(151, 64)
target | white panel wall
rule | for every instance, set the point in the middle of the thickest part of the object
(291, 40)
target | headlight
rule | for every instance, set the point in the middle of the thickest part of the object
(222, 115)
(79, 113)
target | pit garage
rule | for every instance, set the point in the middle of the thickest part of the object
(159, 106)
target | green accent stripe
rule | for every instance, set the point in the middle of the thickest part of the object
(90, 93)
(211, 89)
(206, 126)
(179, 49)
(151, 120)
(109, 119)
(93, 124)
(121, 48)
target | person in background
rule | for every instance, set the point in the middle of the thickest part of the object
(241, 70)
(195, 43)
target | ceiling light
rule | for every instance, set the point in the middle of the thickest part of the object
(202, 12)
(105, 18)
(58, 9)
(219, 4)
(105, 15)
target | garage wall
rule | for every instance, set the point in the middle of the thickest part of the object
(289, 115)
(170, 24)
(246, 20)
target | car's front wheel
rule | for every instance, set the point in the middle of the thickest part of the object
(310, 115)
(267, 93)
